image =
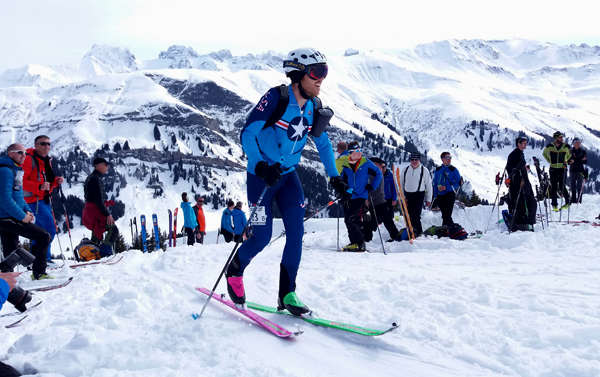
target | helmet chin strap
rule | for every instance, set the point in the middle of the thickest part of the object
(302, 92)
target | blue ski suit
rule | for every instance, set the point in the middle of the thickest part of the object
(283, 144)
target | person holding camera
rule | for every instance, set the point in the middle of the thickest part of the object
(16, 218)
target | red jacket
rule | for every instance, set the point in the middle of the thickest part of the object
(32, 179)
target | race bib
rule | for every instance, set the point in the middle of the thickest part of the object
(259, 217)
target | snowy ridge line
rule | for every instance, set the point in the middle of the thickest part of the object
(272, 327)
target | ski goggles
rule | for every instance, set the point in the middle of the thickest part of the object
(317, 71)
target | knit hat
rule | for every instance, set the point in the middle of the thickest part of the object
(557, 134)
(377, 160)
(576, 140)
(416, 155)
(230, 203)
(100, 160)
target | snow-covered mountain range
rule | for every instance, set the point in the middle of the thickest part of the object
(469, 97)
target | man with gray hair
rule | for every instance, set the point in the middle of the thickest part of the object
(16, 218)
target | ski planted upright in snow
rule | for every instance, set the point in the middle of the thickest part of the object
(403, 207)
(325, 322)
(156, 235)
(175, 227)
(273, 328)
(144, 244)
(170, 229)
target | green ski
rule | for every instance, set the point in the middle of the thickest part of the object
(324, 322)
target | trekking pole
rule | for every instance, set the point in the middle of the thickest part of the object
(580, 193)
(62, 198)
(235, 248)
(309, 217)
(495, 201)
(512, 220)
(337, 214)
(377, 222)
(54, 220)
(538, 192)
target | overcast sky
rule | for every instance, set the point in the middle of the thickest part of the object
(62, 31)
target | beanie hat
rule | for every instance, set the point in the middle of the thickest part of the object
(557, 134)
(416, 155)
(353, 145)
(576, 140)
(377, 160)
(230, 203)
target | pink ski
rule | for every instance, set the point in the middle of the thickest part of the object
(265, 323)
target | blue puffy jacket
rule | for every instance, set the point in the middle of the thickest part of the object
(226, 220)
(189, 216)
(448, 176)
(239, 220)
(366, 172)
(284, 142)
(4, 290)
(12, 203)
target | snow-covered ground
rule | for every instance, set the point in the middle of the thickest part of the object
(522, 304)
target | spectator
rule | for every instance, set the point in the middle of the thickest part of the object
(239, 222)
(190, 222)
(416, 183)
(16, 218)
(227, 222)
(445, 181)
(38, 183)
(199, 211)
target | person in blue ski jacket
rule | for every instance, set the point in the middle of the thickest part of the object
(16, 218)
(362, 176)
(239, 222)
(274, 148)
(446, 182)
(8, 280)
(389, 189)
(189, 218)
(226, 222)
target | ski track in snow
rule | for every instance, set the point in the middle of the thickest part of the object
(522, 304)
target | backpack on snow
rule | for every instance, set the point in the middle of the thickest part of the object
(88, 250)
(457, 232)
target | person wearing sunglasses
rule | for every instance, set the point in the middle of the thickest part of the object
(416, 183)
(446, 182)
(520, 189)
(558, 154)
(273, 141)
(16, 218)
(38, 183)
(199, 211)
(363, 177)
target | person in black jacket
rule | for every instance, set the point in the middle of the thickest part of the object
(578, 171)
(96, 216)
(522, 204)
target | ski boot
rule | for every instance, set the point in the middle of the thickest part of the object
(293, 305)
(566, 206)
(235, 289)
(43, 276)
(555, 208)
(356, 248)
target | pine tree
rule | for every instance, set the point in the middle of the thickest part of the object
(156, 133)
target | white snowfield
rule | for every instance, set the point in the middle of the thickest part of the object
(521, 304)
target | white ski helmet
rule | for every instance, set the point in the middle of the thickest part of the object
(299, 59)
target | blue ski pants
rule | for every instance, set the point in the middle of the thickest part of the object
(44, 219)
(289, 197)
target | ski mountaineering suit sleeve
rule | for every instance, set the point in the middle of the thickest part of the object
(12, 203)
(290, 134)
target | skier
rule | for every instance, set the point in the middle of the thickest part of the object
(96, 216)
(522, 204)
(558, 154)
(273, 150)
(16, 218)
(445, 181)
(38, 183)
(199, 211)
(416, 183)
(362, 177)
(239, 222)
(380, 205)
(190, 221)
(578, 171)
(8, 280)
(226, 222)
